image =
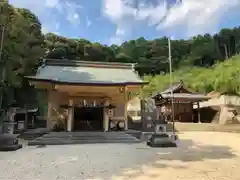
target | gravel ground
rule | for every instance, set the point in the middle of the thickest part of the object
(200, 156)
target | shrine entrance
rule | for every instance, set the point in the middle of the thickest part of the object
(88, 119)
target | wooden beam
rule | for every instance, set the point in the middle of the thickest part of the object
(42, 85)
(198, 111)
(89, 95)
(133, 88)
(75, 88)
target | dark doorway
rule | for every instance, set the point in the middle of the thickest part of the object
(88, 119)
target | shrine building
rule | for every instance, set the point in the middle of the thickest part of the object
(88, 91)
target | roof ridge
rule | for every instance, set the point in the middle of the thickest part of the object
(74, 63)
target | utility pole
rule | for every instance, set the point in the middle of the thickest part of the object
(171, 81)
(1, 44)
(1, 60)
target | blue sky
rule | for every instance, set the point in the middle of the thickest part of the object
(115, 21)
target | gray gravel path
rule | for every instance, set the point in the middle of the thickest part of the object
(200, 156)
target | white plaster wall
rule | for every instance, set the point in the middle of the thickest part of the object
(227, 104)
(225, 115)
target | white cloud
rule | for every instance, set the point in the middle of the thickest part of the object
(48, 11)
(125, 14)
(120, 32)
(71, 9)
(52, 3)
(88, 22)
(195, 16)
(115, 40)
(198, 16)
(120, 13)
(154, 14)
(117, 9)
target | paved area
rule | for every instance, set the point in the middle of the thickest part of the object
(200, 156)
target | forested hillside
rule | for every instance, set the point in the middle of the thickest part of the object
(223, 77)
(151, 56)
(25, 46)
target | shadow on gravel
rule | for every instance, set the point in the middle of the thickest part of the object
(187, 152)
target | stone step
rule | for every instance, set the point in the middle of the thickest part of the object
(83, 133)
(121, 136)
(86, 135)
(33, 133)
(136, 135)
(90, 137)
(29, 138)
(85, 138)
(61, 138)
(68, 142)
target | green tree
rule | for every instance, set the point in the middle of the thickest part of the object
(22, 48)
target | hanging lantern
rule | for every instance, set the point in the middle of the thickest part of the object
(84, 102)
(94, 103)
(110, 106)
(110, 113)
(121, 89)
(121, 125)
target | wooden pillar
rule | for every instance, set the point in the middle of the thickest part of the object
(26, 118)
(105, 116)
(49, 114)
(70, 116)
(126, 116)
(198, 110)
(193, 111)
(126, 98)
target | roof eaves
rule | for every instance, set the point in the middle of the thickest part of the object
(174, 87)
(34, 78)
(75, 63)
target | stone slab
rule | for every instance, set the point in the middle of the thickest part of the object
(11, 147)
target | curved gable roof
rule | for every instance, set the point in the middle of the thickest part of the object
(86, 72)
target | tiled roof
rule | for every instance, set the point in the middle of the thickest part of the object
(78, 63)
(191, 95)
(174, 87)
(86, 72)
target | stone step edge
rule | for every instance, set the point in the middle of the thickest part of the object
(78, 138)
(37, 143)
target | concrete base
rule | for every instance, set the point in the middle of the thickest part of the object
(161, 140)
(11, 147)
(145, 136)
(9, 142)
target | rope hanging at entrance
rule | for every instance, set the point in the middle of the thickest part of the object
(110, 106)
